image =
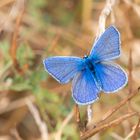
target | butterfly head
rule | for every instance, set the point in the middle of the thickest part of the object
(85, 57)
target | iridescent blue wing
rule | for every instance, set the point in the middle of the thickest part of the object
(107, 47)
(84, 88)
(111, 76)
(63, 68)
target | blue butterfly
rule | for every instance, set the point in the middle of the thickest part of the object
(93, 73)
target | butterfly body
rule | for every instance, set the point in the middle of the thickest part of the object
(93, 73)
(90, 64)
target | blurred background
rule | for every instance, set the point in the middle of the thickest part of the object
(33, 106)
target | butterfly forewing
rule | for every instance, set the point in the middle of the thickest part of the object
(107, 46)
(63, 68)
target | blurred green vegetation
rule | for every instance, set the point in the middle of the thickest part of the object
(55, 28)
(51, 105)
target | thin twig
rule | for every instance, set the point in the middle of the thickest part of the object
(118, 106)
(130, 78)
(104, 14)
(134, 136)
(115, 122)
(102, 21)
(17, 6)
(135, 7)
(132, 132)
(89, 113)
(78, 118)
(129, 135)
(41, 125)
(65, 122)
(53, 43)
(3, 2)
(14, 45)
(16, 104)
(16, 134)
(116, 136)
(130, 72)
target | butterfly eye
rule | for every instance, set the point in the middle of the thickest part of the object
(85, 56)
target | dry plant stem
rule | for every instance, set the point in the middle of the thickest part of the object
(16, 104)
(41, 125)
(134, 136)
(15, 118)
(130, 135)
(7, 21)
(78, 119)
(77, 113)
(64, 123)
(130, 72)
(104, 14)
(86, 13)
(116, 136)
(16, 134)
(14, 45)
(102, 20)
(3, 2)
(135, 7)
(54, 42)
(115, 122)
(115, 108)
(89, 113)
(130, 78)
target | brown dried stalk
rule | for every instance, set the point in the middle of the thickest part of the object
(130, 78)
(118, 106)
(14, 45)
(135, 7)
(59, 133)
(104, 14)
(134, 136)
(130, 72)
(134, 130)
(3, 2)
(115, 122)
(95, 129)
(81, 125)
(77, 117)
(41, 124)
(102, 21)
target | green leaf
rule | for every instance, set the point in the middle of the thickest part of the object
(24, 54)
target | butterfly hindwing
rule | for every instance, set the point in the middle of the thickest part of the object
(111, 76)
(107, 47)
(63, 68)
(84, 88)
